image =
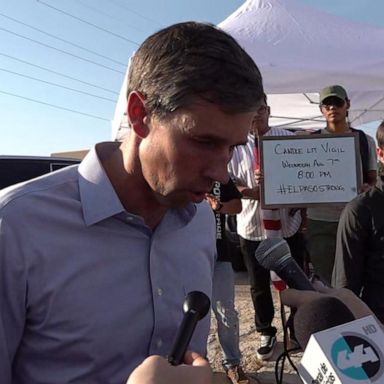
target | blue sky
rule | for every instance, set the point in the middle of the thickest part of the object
(74, 42)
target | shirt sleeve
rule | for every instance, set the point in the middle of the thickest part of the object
(240, 167)
(351, 244)
(12, 298)
(229, 192)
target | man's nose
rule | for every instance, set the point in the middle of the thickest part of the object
(218, 169)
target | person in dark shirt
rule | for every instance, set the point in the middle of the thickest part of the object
(359, 260)
(226, 199)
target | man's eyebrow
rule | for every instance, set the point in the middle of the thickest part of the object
(218, 139)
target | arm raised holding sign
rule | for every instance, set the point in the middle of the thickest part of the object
(252, 229)
(249, 193)
(322, 222)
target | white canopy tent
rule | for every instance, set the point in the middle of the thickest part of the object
(299, 50)
(120, 126)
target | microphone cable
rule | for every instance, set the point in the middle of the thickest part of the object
(279, 285)
(285, 355)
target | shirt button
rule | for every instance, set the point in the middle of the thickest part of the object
(159, 291)
(159, 343)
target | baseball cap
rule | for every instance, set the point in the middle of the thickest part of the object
(333, 91)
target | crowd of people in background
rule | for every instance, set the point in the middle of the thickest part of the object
(95, 260)
(345, 252)
(312, 234)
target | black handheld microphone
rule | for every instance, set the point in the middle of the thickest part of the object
(196, 306)
(274, 254)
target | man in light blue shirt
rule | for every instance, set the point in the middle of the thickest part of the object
(96, 259)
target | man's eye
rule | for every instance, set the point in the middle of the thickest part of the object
(208, 143)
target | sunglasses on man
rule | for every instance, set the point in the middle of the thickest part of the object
(333, 102)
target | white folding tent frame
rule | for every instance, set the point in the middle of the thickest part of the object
(299, 50)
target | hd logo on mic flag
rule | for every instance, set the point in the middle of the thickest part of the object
(352, 353)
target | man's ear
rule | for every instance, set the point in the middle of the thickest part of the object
(137, 114)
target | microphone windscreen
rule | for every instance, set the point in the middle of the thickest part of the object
(197, 302)
(272, 253)
(319, 314)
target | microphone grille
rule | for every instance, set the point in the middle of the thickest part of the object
(197, 302)
(272, 253)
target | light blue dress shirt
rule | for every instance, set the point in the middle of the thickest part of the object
(87, 290)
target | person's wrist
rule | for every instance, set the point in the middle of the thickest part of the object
(218, 208)
(254, 192)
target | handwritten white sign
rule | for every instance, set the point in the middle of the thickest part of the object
(301, 171)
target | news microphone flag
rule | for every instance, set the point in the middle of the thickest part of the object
(351, 353)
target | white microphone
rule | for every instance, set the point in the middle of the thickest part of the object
(349, 353)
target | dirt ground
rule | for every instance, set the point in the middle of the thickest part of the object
(262, 372)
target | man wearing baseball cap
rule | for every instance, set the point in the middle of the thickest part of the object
(322, 221)
(334, 91)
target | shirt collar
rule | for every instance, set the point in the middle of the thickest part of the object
(98, 197)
